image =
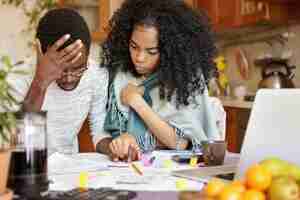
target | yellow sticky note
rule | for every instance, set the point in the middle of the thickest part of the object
(193, 161)
(167, 163)
(83, 180)
(181, 184)
(104, 173)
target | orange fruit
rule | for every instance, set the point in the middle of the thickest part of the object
(208, 198)
(254, 195)
(230, 193)
(257, 177)
(238, 185)
(214, 187)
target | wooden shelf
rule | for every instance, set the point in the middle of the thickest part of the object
(250, 34)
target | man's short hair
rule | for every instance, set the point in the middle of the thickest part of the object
(58, 22)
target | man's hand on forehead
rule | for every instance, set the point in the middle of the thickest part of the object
(52, 64)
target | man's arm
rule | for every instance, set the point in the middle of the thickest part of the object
(103, 146)
(98, 83)
(35, 96)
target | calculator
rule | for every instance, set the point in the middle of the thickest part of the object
(90, 194)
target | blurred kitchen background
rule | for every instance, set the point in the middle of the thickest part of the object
(246, 30)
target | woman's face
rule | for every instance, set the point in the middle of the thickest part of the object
(144, 50)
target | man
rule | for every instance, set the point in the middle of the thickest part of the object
(66, 84)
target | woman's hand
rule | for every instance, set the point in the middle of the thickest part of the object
(124, 147)
(130, 93)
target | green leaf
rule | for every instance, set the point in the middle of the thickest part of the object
(6, 61)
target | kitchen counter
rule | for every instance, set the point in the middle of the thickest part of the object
(230, 102)
(237, 117)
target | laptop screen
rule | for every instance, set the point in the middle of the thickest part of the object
(273, 129)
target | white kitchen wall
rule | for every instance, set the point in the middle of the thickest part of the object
(13, 40)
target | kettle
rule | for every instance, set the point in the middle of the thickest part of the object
(276, 73)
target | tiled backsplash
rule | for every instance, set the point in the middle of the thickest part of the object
(255, 50)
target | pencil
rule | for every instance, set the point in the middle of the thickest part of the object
(136, 169)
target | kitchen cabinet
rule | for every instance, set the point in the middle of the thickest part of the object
(250, 12)
(233, 13)
(237, 13)
(96, 13)
(279, 1)
(221, 13)
(236, 124)
(287, 9)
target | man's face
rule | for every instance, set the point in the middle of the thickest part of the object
(71, 77)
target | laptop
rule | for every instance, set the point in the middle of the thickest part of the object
(273, 131)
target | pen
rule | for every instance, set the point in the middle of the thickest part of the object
(152, 160)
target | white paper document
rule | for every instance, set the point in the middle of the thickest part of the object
(66, 164)
(64, 173)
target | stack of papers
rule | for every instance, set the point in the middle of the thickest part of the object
(64, 172)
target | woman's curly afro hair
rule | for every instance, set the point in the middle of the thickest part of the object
(186, 45)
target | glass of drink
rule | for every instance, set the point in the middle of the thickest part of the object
(213, 152)
(28, 169)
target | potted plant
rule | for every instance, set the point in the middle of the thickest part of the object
(7, 123)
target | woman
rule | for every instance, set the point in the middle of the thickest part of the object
(160, 58)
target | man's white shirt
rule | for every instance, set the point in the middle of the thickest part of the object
(67, 110)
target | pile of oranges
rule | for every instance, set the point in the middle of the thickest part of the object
(257, 181)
